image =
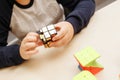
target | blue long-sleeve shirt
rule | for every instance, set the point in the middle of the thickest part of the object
(79, 14)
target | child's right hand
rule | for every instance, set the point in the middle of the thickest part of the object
(29, 44)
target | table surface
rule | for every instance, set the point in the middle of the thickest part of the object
(102, 34)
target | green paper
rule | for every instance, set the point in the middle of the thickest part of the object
(86, 56)
(85, 75)
(94, 64)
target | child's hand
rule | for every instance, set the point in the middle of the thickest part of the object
(64, 35)
(29, 44)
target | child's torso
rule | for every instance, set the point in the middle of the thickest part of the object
(40, 14)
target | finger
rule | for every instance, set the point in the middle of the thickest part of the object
(40, 43)
(30, 45)
(60, 34)
(57, 27)
(32, 34)
(31, 52)
(59, 43)
(30, 39)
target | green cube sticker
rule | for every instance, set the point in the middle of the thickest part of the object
(86, 56)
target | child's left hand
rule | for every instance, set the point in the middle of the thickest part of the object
(64, 35)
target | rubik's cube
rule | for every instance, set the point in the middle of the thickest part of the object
(46, 34)
(87, 60)
(85, 75)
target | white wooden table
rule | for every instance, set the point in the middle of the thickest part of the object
(102, 33)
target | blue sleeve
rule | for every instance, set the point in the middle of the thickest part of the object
(80, 12)
(9, 55)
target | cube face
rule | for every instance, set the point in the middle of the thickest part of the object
(43, 39)
(46, 34)
(53, 32)
(86, 56)
(50, 27)
(44, 29)
(85, 75)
